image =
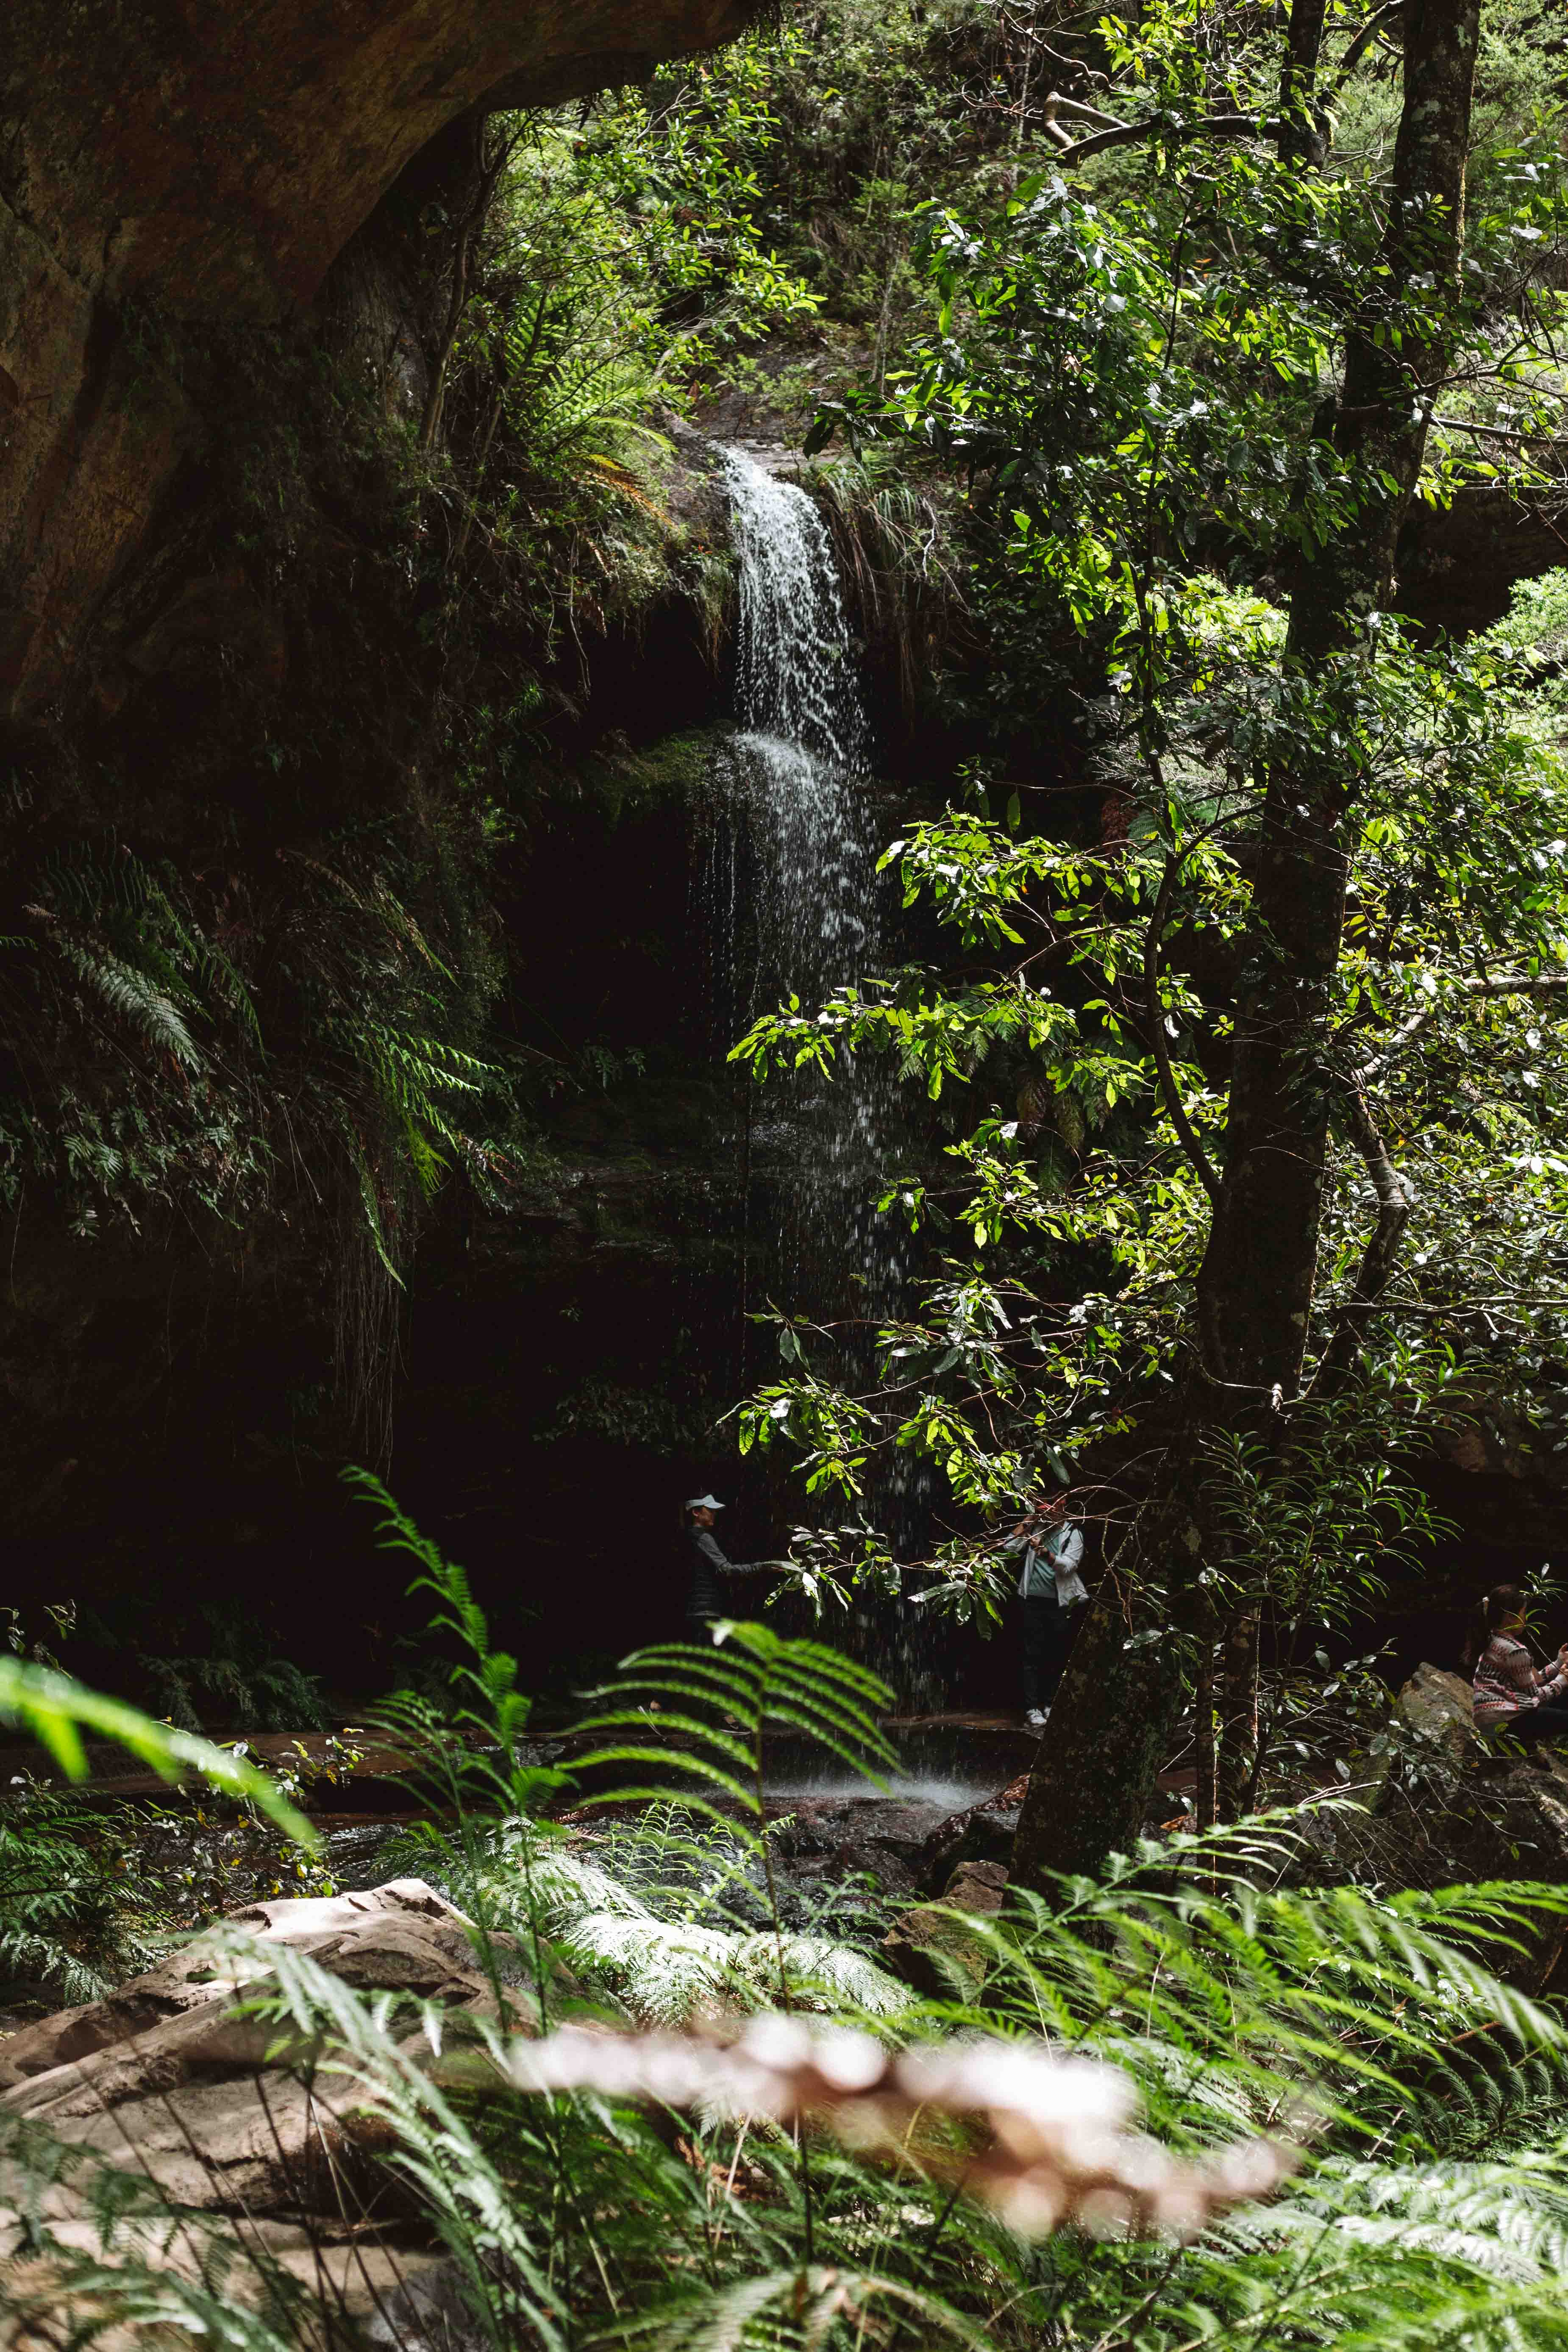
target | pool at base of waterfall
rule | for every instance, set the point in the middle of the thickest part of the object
(899, 1789)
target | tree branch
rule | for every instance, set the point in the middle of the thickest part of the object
(1124, 134)
(1186, 1133)
(1501, 983)
(1395, 1198)
(1363, 42)
(1500, 432)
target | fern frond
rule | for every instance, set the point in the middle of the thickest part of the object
(132, 995)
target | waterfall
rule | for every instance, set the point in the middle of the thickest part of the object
(801, 743)
(789, 897)
(792, 777)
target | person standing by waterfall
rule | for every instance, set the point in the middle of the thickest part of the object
(1051, 1592)
(705, 1599)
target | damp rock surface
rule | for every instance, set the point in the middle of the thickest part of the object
(209, 164)
(934, 1949)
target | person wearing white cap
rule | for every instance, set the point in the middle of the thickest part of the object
(705, 1599)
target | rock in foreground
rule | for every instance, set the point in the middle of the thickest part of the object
(934, 1949)
(168, 2080)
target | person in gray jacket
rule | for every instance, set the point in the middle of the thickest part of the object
(1052, 1591)
(705, 1598)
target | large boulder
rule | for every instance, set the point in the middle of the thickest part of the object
(240, 2129)
(1445, 1807)
(401, 1937)
(833, 1839)
(981, 1832)
(1439, 1707)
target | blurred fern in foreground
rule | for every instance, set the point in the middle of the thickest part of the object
(590, 2189)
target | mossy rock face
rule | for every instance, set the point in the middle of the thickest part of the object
(1441, 1708)
(934, 1949)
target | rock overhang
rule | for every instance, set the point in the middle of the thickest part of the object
(208, 162)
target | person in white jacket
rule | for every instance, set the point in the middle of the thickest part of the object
(1051, 1592)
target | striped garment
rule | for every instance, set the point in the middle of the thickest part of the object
(1505, 1682)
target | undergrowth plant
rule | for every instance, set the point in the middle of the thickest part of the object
(1380, 2034)
(1375, 2032)
(85, 1889)
(685, 1942)
(237, 1670)
(74, 1909)
(304, 1048)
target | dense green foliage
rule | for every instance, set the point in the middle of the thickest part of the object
(1428, 2206)
(1127, 366)
(1087, 458)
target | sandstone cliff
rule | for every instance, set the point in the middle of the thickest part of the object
(202, 166)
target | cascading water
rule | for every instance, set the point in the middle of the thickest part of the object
(789, 898)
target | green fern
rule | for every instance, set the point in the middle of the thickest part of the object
(141, 929)
(57, 1710)
(129, 992)
(1235, 1999)
(720, 1702)
(258, 1691)
(71, 1902)
(653, 1961)
(569, 393)
(1218, 2003)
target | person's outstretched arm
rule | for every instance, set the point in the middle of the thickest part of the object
(708, 1545)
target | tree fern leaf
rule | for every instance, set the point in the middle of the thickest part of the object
(132, 995)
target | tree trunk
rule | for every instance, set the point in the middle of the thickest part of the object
(1237, 1744)
(1303, 136)
(1205, 1792)
(1100, 1808)
(1089, 1794)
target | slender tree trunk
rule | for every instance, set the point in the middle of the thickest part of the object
(1238, 1742)
(1303, 137)
(1260, 1265)
(1124, 1744)
(1090, 1793)
(488, 167)
(1207, 1792)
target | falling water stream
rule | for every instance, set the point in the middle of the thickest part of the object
(789, 895)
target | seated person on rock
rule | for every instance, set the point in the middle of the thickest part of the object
(1511, 1693)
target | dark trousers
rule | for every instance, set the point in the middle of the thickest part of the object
(1536, 1726)
(1048, 1632)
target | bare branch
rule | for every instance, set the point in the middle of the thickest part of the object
(1500, 432)
(1056, 103)
(1161, 126)
(1497, 983)
(1395, 1198)
(1186, 1133)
